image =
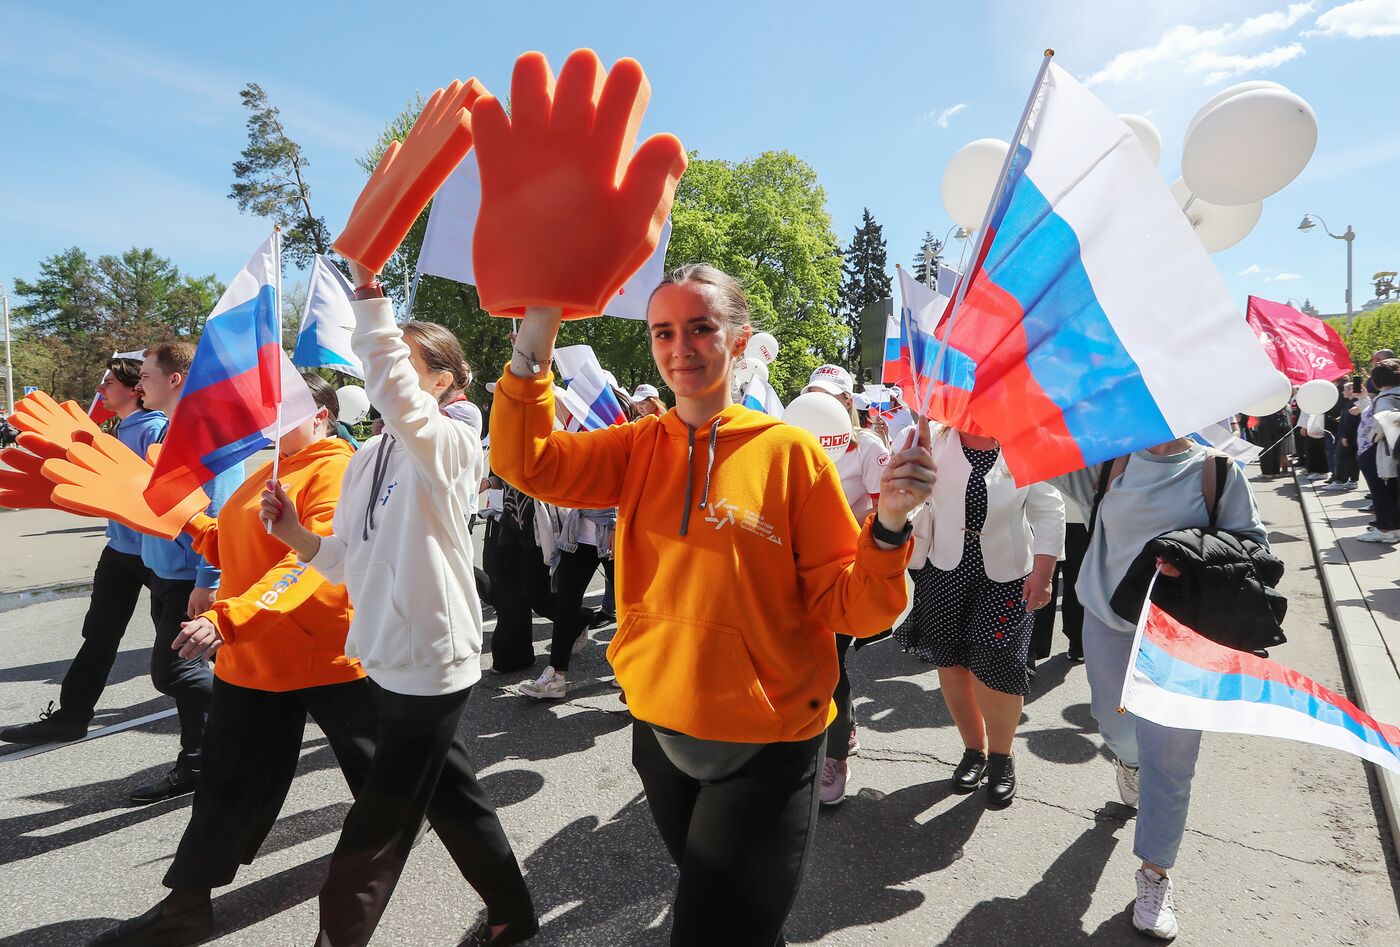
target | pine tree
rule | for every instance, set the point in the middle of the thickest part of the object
(926, 262)
(865, 282)
(1309, 308)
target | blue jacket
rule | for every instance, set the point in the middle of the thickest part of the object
(176, 558)
(138, 431)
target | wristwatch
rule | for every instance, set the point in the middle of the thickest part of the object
(878, 530)
(371, 290)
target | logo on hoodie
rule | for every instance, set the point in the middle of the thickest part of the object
(722, 513)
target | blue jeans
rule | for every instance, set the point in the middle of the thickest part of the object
(1165, 757)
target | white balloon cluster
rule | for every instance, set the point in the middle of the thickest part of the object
(1246, 143)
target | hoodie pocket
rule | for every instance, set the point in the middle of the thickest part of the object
(380, 634)
(692, 676)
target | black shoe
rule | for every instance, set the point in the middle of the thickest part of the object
(155, 928)
(602, 619)
(516, 933)
(1001, 779)
(177, 782)
(51, 727)
(969, 772)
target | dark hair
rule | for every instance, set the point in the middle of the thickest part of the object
(323, 393)
(125, 370)
(172, 357)
(441, 351)
(730, 303)
(1386, 373)
(629, 407)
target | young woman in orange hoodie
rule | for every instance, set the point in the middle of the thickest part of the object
(737, 562)
(279, 630)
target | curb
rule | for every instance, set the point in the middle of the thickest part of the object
(19, 598)
(1369, 663)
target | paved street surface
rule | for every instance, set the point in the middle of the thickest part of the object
(1287, 843)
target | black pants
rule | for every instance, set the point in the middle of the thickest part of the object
(1071, 611)
(420, 767)
(1043, 627)
(116, 588)
(1385, 494)
(1344, 468)
(838, 734)
(519, 588)
(741, 842)
(571, 580)
(188, 680)
(252, 746)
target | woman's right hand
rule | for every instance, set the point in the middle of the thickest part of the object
(533, 348)
(279, 516)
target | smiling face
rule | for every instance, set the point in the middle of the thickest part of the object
(693, 345)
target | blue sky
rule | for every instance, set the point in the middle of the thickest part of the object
(122, 119)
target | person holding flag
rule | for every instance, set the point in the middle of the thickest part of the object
(116, 583)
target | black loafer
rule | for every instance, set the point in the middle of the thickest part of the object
(179, 781)
(1001, 780)
(155, 928)
(969, 772)
(514, 933)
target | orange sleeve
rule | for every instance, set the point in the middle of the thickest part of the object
(850, 584)
(204, 530)
(583, 470)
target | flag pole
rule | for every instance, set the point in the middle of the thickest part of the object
(961, 291)
(1137, 642)
(277, 305)
(412, 294)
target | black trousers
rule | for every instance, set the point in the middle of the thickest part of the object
(252, 746)
(116, 588)
(188, 680)
(420, 767)
(741, 843)
(838, 734)
(571, 580)
(1344, 469)
(1071, 611)
(519, 589)
(1043, 627)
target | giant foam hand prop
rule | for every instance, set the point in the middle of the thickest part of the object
(409, 175)
(22, 485)
(40, 414)
(568, 212)
(100, 476)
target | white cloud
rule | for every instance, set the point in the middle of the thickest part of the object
(1219, 53)
(942, 118)
(1360, 19)
(1250, 270)
(1281, 277)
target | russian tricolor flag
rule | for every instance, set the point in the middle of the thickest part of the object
(327, 322)
(1097, 323)
(229, 404)
(759, 395)
(585, 379)
(1180, 679)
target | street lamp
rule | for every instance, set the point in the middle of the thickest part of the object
(1350, 235)
(931, 274)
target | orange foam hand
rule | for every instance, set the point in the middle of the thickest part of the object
(568, 212)
(408, 176)
(22, 485)
(40, 414)
(100, 476)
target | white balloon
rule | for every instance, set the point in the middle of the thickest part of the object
(1317, 396)
(1279, 396)
(1218, 228)
(1249, 147)
(746, 368)
(970, 179)
(824, 416)
(354, 404)
(1147, 134)
(1230, 93)
(763, 347)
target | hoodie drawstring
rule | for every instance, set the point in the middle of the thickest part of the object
(690, 471)
(710, 465)
(381, 467)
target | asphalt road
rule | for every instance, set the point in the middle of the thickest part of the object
(1284, 845)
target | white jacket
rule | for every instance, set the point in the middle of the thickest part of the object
(417, 622)
(1022, 522)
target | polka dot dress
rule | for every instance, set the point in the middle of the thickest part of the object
(964, 619)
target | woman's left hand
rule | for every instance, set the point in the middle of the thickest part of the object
(908, 480)
(1037, 591)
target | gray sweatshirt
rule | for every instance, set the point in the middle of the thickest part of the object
(1154, 495)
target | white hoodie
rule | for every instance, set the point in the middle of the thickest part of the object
(401, 546)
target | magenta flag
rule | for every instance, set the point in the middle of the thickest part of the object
(1303, 347)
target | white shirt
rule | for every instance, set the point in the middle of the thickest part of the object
(860, 469)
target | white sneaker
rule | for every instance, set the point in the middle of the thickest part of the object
(1127, 783)
(1153, 913)
(551, 685)
(1389, 537)
(834, 773)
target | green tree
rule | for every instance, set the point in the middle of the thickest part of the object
(1370, 331)
(269, 181)
(864, 282)
(764, 221)
(1308, 308)
(926, 261)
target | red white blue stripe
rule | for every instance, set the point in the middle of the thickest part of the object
(1180, 679)
(228, 407)
(585, 379)
(1097, 323)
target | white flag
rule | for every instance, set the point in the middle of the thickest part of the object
(326, 322)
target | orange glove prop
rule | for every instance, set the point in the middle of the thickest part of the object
(22, 485)
(568, 212)
(40, 414)
(102, 477)
(409, 175)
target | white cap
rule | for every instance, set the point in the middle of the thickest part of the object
(832, 379)
(863, 402)
(644, 392)
(490, 387)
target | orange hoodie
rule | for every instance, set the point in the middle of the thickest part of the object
(737, 558)
(283, 625)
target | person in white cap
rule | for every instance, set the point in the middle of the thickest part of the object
(860, 469)
(648, 400)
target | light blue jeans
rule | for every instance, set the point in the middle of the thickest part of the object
(1165, 757)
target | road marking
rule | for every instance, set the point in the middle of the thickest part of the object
(92, 735)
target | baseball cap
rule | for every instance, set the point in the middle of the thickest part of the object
(644, 392)
(832, 379)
